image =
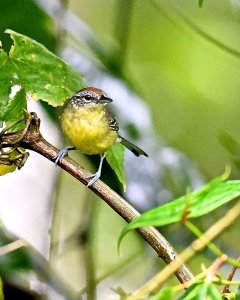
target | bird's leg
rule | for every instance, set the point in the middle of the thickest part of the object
(94, 177)
(62, 153)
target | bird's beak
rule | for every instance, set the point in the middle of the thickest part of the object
(105, 100)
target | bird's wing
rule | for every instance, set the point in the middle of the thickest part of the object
(113, 125)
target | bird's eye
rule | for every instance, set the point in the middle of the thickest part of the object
(88, 98)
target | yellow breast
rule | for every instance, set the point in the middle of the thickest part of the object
(88, 128)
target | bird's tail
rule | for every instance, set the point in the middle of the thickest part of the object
(135, 149)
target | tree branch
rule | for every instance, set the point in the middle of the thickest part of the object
(34, 141)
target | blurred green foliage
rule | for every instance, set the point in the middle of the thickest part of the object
(200, 3)
(190, 83)
(27, 17)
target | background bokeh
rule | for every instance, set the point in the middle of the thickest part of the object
(172, 69)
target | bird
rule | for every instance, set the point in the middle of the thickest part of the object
(91, 127)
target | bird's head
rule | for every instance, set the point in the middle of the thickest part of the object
(90, 96)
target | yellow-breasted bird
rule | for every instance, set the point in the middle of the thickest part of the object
(91, 127)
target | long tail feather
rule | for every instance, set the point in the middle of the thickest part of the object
(135, 149)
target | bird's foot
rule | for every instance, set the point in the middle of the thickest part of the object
(94, 177)
(61, 154)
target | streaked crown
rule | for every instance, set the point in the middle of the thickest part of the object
(90, 95)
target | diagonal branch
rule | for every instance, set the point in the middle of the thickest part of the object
(34, 141)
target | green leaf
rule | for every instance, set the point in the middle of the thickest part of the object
(211, 196)
(115, 158)
(15, 111)
(201, 291)
(42, 74)
(200, 3)
(5, 169)
(38, 72)
(8, 78)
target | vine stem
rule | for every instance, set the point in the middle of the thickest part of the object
(33, 140)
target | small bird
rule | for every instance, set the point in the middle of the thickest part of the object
(91, 127)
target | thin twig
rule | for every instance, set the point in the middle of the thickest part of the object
(13, 246)
(34, 141)
(230, 277)
(211, 246)
(214, 268)
(115, 269)
(88, 246)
